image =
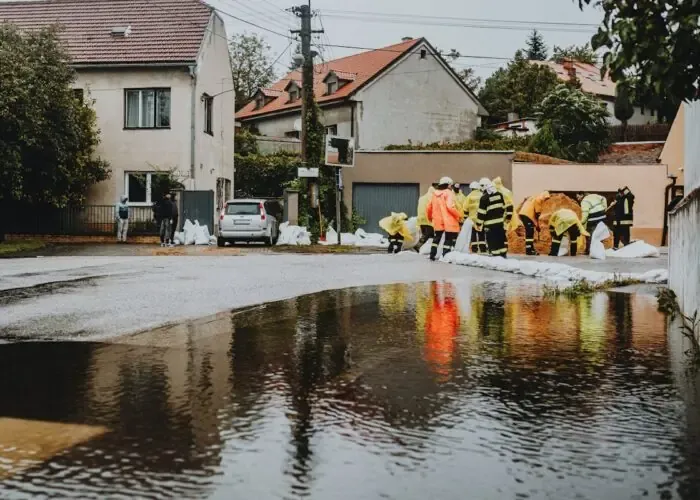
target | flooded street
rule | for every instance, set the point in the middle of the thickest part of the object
(433, 390)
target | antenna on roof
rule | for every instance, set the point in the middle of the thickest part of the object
(123, 31)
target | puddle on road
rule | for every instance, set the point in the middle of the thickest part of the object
(401, 391)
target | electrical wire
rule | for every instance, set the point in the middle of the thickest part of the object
(257, 14)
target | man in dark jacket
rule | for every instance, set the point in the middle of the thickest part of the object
(624, 216)
(165, 211)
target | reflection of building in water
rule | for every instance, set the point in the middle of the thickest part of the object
(441, 328)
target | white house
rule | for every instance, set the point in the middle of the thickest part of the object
(603, 88)
(158, 75)
(393, 95)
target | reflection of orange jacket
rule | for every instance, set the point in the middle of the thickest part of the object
(442, 211)
(441, 331)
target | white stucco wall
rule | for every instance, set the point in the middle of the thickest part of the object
(277, 126)
(214, 153)
(637, 119)
(140, 149)
(417, 100)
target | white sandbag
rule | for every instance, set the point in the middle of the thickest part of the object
(600, 233)
(212, 240)
(179, 239)
(464, 238)
(332, 238)
(189, 232)
(201, 234)
(293, 235)
(365, 239)
(425, 249)
(564, 247)
(635, 250)
(414, 229)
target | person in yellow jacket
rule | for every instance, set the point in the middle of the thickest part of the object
(398, 230)
(460, 201)
(594, 208)
(426, 227)
(478, 239)
(565, 221)
(507, 197)
(529, 214)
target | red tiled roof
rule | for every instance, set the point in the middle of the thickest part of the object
(271, 92)
(344, 75)
(363, 66)
(588, 75)
(161, 30)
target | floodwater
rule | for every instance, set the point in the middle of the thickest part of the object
(435, 390)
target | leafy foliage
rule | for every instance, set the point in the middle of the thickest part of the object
(48, 137)
(251, 64)
(467, 75)
(656, 41)
(536, 49)
(519, 88)
(544, 142)
(489, 143)
(578, 124)
(581, 53)
(624, 109)
(245, 143)
(264, 176)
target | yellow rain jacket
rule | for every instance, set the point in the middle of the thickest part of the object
(396, 224)
(472, 204)
(508, 199)
(423, 208)
(563, 219)
(532, 208)
(593, 207)
(461, 204)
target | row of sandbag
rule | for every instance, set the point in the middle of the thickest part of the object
(194, 234)
(299, 236)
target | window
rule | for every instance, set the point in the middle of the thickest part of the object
(208, 114)
(247, 208)
(295, 134)
(78, 94)
(144, 188)
(147, 108)
(293, 94)
(423, 53)
(332, 130)
(332, 87)
(259, 102)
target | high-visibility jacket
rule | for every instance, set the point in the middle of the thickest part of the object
(532, 208)
(461, 203)
(443, 212)
(396, 224)
(593, 208)
(624, 208)
(563, 219)
(423, 206)
(472, 204)
(492, 210)
(507, 197)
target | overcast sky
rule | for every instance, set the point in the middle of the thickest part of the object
(468, 40)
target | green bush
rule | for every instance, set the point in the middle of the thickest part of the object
(264, 176)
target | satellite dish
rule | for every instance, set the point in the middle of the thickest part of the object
(297, 124)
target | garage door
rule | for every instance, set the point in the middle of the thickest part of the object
(375, 201)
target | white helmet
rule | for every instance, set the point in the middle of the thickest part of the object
(446, 180)
(474, 185)
(485, 182)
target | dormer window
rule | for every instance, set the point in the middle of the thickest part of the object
(294, 91)
(293, 95)
(331, 86)
(259, 101)
(336, 80)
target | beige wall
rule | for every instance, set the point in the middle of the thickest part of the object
(425, 168)
(277, 126)
(647, 182)
(673, 152)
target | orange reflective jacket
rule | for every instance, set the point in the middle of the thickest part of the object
(442, 211)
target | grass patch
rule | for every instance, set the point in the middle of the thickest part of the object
(20, 246)
(322, 249)
(690, 325)
(582, 288)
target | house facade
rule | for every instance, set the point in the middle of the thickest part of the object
(395, 95)
(158, 75)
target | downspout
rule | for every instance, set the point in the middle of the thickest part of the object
(667, 202)
(193, 116)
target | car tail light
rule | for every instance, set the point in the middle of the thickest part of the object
(262, 212)
(223, 212)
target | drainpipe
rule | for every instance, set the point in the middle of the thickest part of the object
(667, 201)
(193, 116)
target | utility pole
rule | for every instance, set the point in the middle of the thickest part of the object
(307, 91)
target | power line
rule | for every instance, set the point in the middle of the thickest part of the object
(467, 19)
(257, 14)
(228, 14)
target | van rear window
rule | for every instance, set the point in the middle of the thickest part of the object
(243, 209)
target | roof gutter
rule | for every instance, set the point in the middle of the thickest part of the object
(182, 64)
(294, 110)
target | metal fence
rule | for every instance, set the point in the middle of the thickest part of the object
(635, 133)
(88, 220)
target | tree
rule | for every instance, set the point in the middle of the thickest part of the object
(467, 75)
(624, 108)
(577, 122)
(48, 136)
(656, 41)
(536, 48)
(252, 66)
(519, 88)
(581, 53)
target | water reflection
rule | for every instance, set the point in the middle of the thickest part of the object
(401, 391)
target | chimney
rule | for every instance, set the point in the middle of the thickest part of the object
(513, 116)
(407, 39)
(570, 68)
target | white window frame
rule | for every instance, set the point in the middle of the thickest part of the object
(155, 91)
(149, 201)
(208, 102)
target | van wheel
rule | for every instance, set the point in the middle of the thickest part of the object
(220, 242)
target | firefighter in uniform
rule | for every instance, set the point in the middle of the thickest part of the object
(594, 209)
(624, 216)
(398, 231)
(491, 217)
(565, 221)
(478, 241)
(530, 216)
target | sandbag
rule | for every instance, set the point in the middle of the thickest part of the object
(201, 234)
(365, 239)
(414, 229)
(564, 247)
(293, 235)
(600, 233)
(179, 238)
(464, 238)
(635, 250)
(189, 232)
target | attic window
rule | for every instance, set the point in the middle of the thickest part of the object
(259, 101)
(423, 53)
(293, 94)
(121, 31)
(332, 86)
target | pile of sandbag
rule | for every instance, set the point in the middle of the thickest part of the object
(194, 234)
(636, 250)
(365, 239)
(293, 235)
